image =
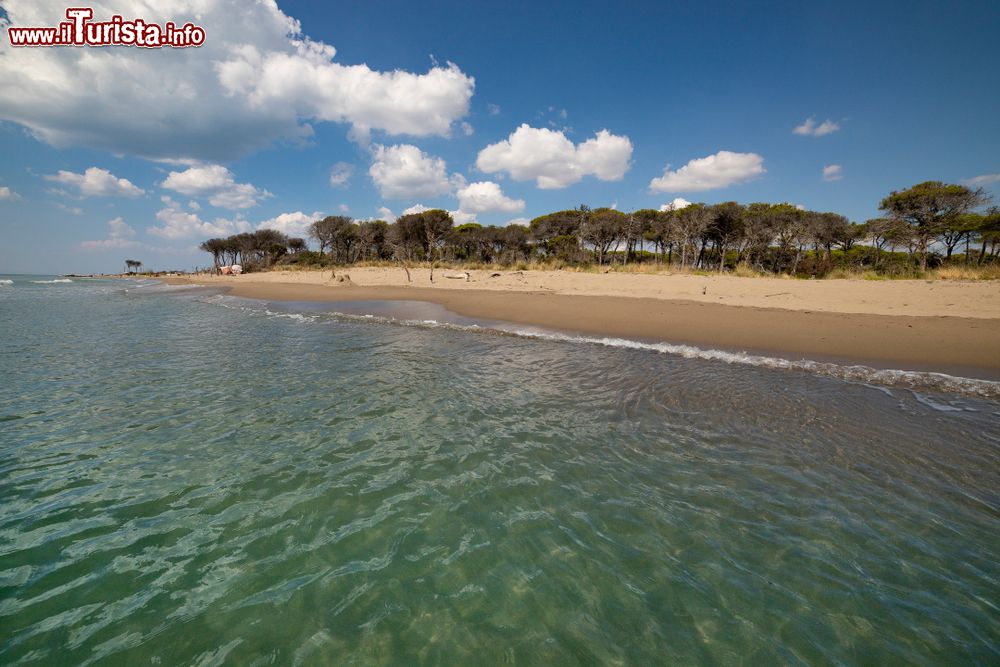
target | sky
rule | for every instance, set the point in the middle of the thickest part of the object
(497, 112)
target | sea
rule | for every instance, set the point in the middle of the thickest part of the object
(188, 478)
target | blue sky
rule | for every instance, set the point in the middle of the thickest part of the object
(107, 153)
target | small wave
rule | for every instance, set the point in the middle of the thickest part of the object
(6, 282)
(48, 282)
(941, 382)
(853, 373)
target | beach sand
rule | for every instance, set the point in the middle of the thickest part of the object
(945, 326)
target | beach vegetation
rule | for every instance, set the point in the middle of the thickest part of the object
(932, 229)
(935, 211)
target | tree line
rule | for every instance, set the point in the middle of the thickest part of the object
(922, 226)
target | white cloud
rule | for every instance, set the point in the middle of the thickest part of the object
(344, 208)
(217, 183)
(387, 215)
(463, 217)
(833, 172)
(340, 174)
(977, 182)
(118, 229)
(416, 208)
(517, 221)
(485, 197)
(175, 223)
(467, 129)
(96, 182)
(721, 170)
(119, 236)
(8, 194)
(458, 217)
(292, 224)
(494, 109)
(810, 129)
(676, 205)
(552, 160)
(405, 171)
(257, 80)
(194, 206)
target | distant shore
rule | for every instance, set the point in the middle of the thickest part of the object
(942, 326)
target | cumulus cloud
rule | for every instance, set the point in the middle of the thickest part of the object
(8, 194)
(217, 183)
(463, 217)
(406, 171)
(292, 224)
(676, 205)
(340, 174)
(976, 182)
(721, 170)
(119, 236)
(811, 129)
(416, 208)
(95, 182)
(833, 172)
(257, 80)
(459, 217)
(486, 197)
(175, 223)
(553, 161)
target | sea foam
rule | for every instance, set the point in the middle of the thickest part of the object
(915, 380)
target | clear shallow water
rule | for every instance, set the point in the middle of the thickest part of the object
(188, 479)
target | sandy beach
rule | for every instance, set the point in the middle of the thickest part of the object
(944, 326)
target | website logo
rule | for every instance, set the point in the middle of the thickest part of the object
(80, 30)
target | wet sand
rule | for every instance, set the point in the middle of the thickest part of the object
(967, 346)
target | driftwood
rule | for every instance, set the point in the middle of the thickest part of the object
(459, 276)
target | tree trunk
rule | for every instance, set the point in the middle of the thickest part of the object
(405, 268)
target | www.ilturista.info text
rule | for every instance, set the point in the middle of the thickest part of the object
(79, 30)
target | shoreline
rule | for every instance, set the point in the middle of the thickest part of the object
(961, 346)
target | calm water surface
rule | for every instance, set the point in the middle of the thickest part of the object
(187, 479)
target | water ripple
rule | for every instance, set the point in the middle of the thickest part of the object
(324, 490)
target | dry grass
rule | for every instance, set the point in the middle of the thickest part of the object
(743, 270)
(954, 272)
(960, 272)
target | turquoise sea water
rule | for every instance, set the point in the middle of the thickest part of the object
(190, 479)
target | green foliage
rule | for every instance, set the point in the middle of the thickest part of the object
(929, 225)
